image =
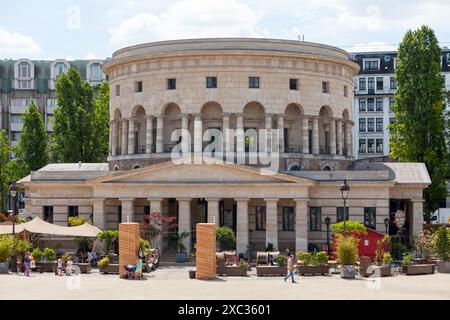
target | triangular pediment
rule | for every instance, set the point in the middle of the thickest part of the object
(169, 172)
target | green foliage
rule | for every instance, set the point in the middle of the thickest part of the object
(65, 257)
(347, 249)
(281, 261)
(397, 250)
(243, 264)
(37, 254)
(442, 243)
(313, 258)
(387, 258)
(144, 247)
(380, 250)
(225, 237)
(269, 247)
(32, 149)
(179, 238)
(49, 254)
(75, 221)
(21, 246)
(352, 227)
(76, 134)
(108, 236)
(101, 127)
(103, 263)
(407, 257)
(5, 172)
(83, 244)
(6, 247)
(418, 135)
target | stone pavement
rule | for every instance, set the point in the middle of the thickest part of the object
(174, 283)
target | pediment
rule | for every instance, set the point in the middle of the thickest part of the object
(200, 173)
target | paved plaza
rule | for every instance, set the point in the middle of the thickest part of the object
(173, 283)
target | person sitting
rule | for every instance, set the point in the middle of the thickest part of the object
(69, 267)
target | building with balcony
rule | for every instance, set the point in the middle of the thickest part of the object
(374, 90)
(24, 80)
(166, 98)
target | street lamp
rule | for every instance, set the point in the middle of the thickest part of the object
(327, 222)
(345, 189)
(386, 223)
(13, 193)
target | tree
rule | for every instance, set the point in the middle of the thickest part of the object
(73, 138)
(418, 135)
(101, 126)
(5, 150)
(32, 148)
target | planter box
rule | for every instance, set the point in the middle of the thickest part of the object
(84, 267)
(46, 266)
(419, 269)
(443, 266)
(4, 267)
(269, 271)
(348, 272)
(110, 268)
(231, 271)
(313, 270)
(382, 271)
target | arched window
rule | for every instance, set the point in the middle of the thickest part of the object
(295, 167)
(60, 67)
(96, 71)
(116, 168)
(136, 167)
(326, 168)
(24, 70)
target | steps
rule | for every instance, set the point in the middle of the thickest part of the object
(168, 258)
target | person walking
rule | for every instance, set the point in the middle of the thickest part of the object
(26, 262)
(290, 269)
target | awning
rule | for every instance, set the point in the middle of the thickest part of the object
(39, 226)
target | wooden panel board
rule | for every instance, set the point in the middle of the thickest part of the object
(128, 245)
(206, 251)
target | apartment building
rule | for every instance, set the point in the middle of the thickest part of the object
(24, 80)
(374, 90)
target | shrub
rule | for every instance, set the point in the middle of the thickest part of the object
(423, 243)
(269, 247)
(319, 258)
(75, 221)
(407, 259)
(306, 257)
(103, 263)
(387, 258)
(6, 247)
(21, 246)
(442, 243)
(108, 236)
(381, 249)
(397, 250)
(49, 254)
(37, 254)
(243, 264)
(65, 257)
(352, 227)
(281, 261)
(347, 249)
(225, 237)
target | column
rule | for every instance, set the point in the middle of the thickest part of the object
(198, 134)
(149, 135)
(417, 216)
(225, 128)
(185, 142)
(339, 138)
(272, 222)
(305, 135)
(333, 137)
(268, 127)
(131, 136)
(240, 132)
(280, 126)
(114, 130)
(184, 221)
(301, 225)
(124, 137)
(348, 139)
(315, 136)
(213, 211)
(159, 134)
(155, 206)
(127, 210)
(98, 210)
(242, 225)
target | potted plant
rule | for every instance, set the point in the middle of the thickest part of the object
(108, 237)
(226, 239)
(410, 269)
(347, 252)
(312, 263)
(181, 255)
(423, 244)
(279, 269)
(269, 247)
(6, 250)
(442, 249)
(382, 268)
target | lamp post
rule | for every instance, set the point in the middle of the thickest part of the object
(386, 223)
(345, 189)
(13, 193)
(327, 222)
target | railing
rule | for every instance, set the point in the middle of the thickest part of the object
(118, 151)
(294, 149)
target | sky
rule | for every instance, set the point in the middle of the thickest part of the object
(91, 29)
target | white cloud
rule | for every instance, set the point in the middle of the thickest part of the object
(91, 56)
(190, 19)
(372, 46)
(13, 44)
